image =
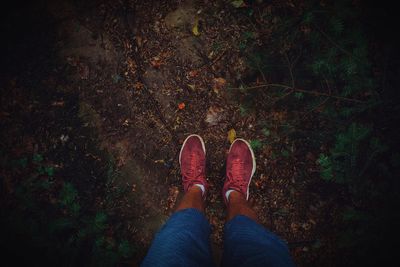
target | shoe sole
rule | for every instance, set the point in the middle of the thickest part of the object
(184, 142)
(254, 162)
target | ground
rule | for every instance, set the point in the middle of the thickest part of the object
(122, 83)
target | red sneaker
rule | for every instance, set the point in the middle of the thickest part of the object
(192, 160)
(240, 167)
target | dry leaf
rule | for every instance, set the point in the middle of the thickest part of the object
(139, 41)
(219, 83)
(138, 86)
(231, 135)
(238, 3)
(214, 115)
(172, 196)
(193, 73)
(181, 106)
(156, 62)
(195, 29)
(58, 103)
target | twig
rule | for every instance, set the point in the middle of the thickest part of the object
(283, 96)
(210, 63)
(334, 43)
(261, 72)
(290, 69)
(332, 96)
(323, 102)
(301, 91)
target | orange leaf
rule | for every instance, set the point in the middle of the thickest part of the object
(181, 106)
(219, 83)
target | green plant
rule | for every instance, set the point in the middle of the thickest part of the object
(285, 153)
(256, 144)
(317, 67)
(326, 167)
(266, 131)
(243, 110)
(342, 162)
(246, 39)
(69, 199)
(63, 226)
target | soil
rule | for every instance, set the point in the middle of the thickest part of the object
(124, 68)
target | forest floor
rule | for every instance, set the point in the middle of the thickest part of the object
(111, 89)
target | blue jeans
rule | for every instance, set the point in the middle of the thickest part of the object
(184, 241)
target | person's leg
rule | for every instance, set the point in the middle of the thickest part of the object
(192, 199)
(246, 242)
(184, 239)
(239, 206)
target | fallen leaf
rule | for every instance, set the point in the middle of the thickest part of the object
(177, 121)
(214, 115)
(155, 62)
(58, 103)
(172, 196)
(231, 135)
(138, 85)
(181, 106)
(193, 73)
(219, 83)
(195, 29)
(139, 41)
(238, 3)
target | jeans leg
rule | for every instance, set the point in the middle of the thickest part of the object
(182, 241)
(247, 243)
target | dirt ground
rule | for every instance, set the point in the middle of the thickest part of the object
(141, 80)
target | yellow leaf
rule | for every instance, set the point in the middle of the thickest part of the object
(195, 28)
(231, 135)
(238, 3)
